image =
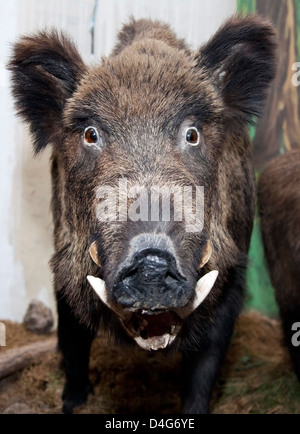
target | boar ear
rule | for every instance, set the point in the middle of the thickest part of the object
(45, 70)
(240, 59)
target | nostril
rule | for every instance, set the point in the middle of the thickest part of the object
(171, 279)
(130, 274)
(147, 271)
(144, 275)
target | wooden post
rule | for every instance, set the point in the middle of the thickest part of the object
(281, 114)
(19, 358)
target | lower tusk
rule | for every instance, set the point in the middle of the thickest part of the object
(155, 343)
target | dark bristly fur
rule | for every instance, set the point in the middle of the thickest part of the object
(279, 204)
(140, 99)
(46, 70)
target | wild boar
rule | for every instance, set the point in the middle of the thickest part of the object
(153, 191)
(279, 205)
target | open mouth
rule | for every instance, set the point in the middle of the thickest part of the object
(154, 330)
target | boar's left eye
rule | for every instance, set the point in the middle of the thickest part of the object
(91, 137)
(192, 136)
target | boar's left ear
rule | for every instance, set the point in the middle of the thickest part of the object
(240, 58)
(46, 69)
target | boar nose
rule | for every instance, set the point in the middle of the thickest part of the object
(152, 282)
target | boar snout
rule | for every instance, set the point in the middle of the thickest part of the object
(150, 293)
(152, 282)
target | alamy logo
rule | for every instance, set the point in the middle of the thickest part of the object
(296, 336)
(2, 334)
(155, 203)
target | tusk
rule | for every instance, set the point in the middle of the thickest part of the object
(93, 251)
(100, 288)
(203, 288)
(207, 254)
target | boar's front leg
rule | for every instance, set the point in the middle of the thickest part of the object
(201, 366)
(74, 341)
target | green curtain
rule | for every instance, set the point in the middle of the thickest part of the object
(260, 293)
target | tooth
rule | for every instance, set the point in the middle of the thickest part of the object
(203, 288)
(99, 287)
(155, 343)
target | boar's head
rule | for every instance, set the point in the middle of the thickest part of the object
(152, 176)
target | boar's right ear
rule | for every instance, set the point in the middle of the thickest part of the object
(46, 69)
(240, 59)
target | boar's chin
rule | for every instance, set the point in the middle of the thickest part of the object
(158, 329)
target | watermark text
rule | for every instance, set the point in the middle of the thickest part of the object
(296, 336)
(154, 203)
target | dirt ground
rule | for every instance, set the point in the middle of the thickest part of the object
(257, 376)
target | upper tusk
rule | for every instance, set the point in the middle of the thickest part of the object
(203, 288)
(100, 288)
(207, 253)
(93, 251)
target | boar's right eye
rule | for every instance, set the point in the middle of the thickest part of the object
(91, 137)
(192, 136)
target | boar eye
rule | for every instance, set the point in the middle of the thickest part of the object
(91, 136)
(192, 136)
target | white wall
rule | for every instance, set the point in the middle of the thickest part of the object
(25, 221)
(194, 20)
